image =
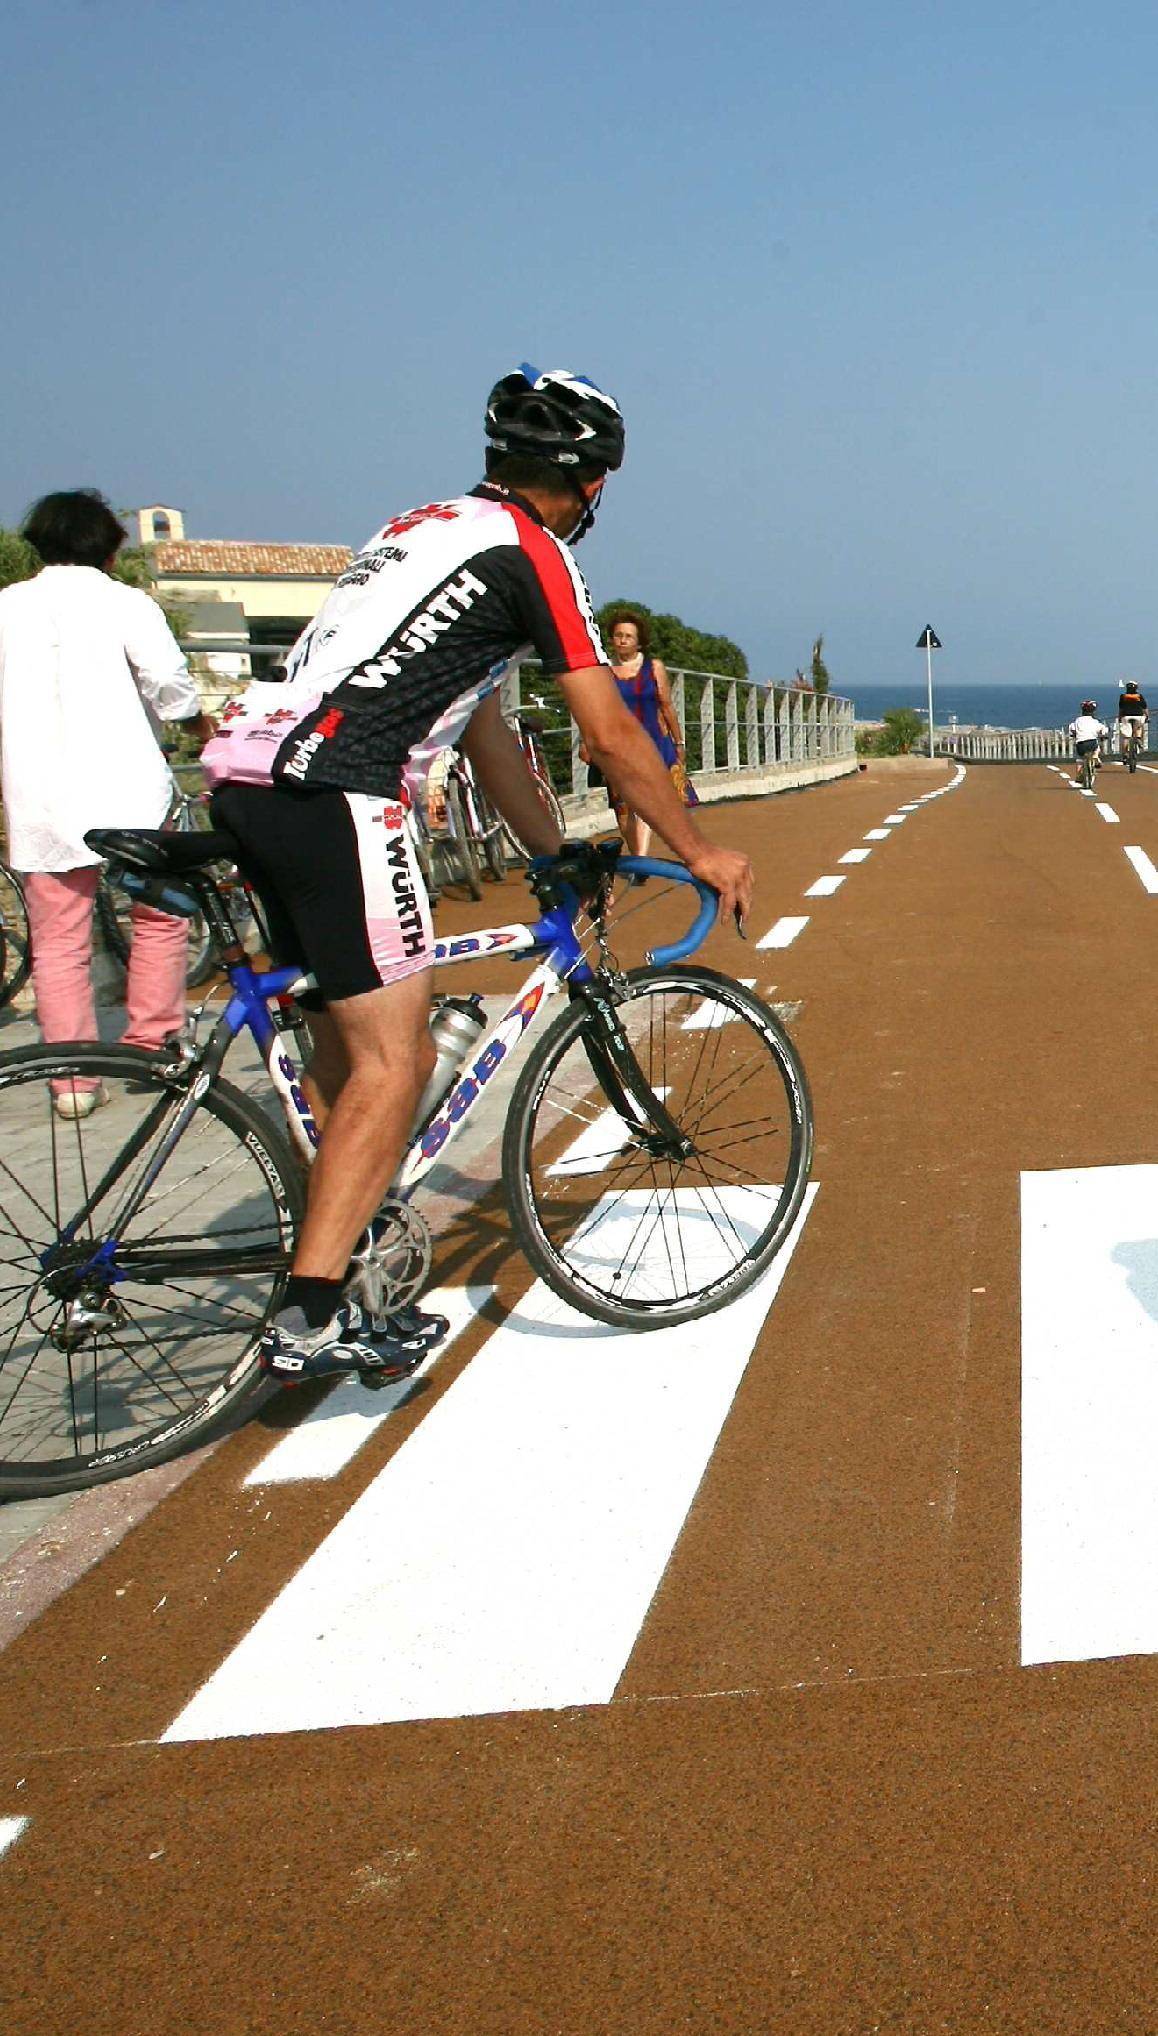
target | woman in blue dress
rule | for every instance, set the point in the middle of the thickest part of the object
(643, 685)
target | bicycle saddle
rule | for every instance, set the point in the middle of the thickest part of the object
(162, 851)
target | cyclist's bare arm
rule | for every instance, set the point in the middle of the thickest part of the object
(503, 772)
(618, 746)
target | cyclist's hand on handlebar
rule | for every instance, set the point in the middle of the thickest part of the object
(729, 873)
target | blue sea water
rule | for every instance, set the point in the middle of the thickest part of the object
(1033, 706)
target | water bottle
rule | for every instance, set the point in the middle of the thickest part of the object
(456, 1025)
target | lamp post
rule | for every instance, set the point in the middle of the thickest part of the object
(929, 641)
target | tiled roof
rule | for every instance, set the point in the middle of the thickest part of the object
(251, 561)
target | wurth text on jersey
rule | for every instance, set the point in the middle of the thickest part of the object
(440, 614)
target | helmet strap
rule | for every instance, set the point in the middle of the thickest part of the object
(589, 506)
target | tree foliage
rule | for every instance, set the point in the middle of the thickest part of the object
(18, 561)
(902, 730)
(818, 670)
(677, 643)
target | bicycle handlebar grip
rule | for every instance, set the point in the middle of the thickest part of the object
(697, 933)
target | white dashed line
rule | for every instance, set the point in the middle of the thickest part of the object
(1107, 813)
(1147, 873)
(824, 887)
(783, 933)
(895, 819)
(856, 855)
(877, 834)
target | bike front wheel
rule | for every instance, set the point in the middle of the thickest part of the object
(134, 1282)
(15, 940)
(616, 1220)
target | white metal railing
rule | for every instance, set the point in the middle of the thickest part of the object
(734, 727)
(1015, 745)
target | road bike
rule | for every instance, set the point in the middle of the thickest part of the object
(1133, 750)
(1088, 767)
(655, 1153)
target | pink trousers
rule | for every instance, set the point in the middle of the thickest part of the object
(60, 907)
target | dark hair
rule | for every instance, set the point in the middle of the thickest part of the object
(641, 624)
(74, 528)
(524, 470)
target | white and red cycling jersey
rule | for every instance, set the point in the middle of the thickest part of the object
(420, 627)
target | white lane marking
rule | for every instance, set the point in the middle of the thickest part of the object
(506, 1557)
(1089, 1495)
(783, 933)
(855, 855)
(895, 819)
(335, 1430)
(824, 887)
(10, 1830)
(912, 807)
(599, 1142)
(1147, 873)
(1149, 770)
(1107, 813)
(877, 834)
(711, 1015)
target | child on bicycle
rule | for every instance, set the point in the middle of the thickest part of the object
(1088, 734)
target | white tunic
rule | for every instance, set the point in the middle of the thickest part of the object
(80, 656)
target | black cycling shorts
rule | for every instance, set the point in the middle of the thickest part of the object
(339, 880)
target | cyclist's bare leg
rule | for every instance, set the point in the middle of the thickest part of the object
(385, 1036)
(637, 834)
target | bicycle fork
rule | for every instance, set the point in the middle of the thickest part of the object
(623, 1082)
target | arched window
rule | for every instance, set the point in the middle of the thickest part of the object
(161, 526)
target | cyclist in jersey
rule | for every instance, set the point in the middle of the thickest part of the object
(1132, 711)
(405, 656)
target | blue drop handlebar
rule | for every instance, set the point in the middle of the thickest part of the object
(674, 873)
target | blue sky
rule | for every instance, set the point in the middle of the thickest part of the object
(877, 287)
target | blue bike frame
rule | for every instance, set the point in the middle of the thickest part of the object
(553, 936)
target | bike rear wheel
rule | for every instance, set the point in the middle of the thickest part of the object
(627, 1235)
(1087, 774)
(125, 1340)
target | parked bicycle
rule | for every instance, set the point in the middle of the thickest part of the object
(528, 726)
(656, 1150)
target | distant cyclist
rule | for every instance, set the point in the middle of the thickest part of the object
(1088, 734)
(1132, 711)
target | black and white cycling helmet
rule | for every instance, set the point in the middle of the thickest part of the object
(555, 416)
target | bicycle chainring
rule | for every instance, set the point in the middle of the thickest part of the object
(392, 1264)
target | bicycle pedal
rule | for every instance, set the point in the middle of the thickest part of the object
(377, 1381)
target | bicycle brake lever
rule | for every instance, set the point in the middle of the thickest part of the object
(738, 917)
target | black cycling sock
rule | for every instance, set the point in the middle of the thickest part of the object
(317, 1299)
